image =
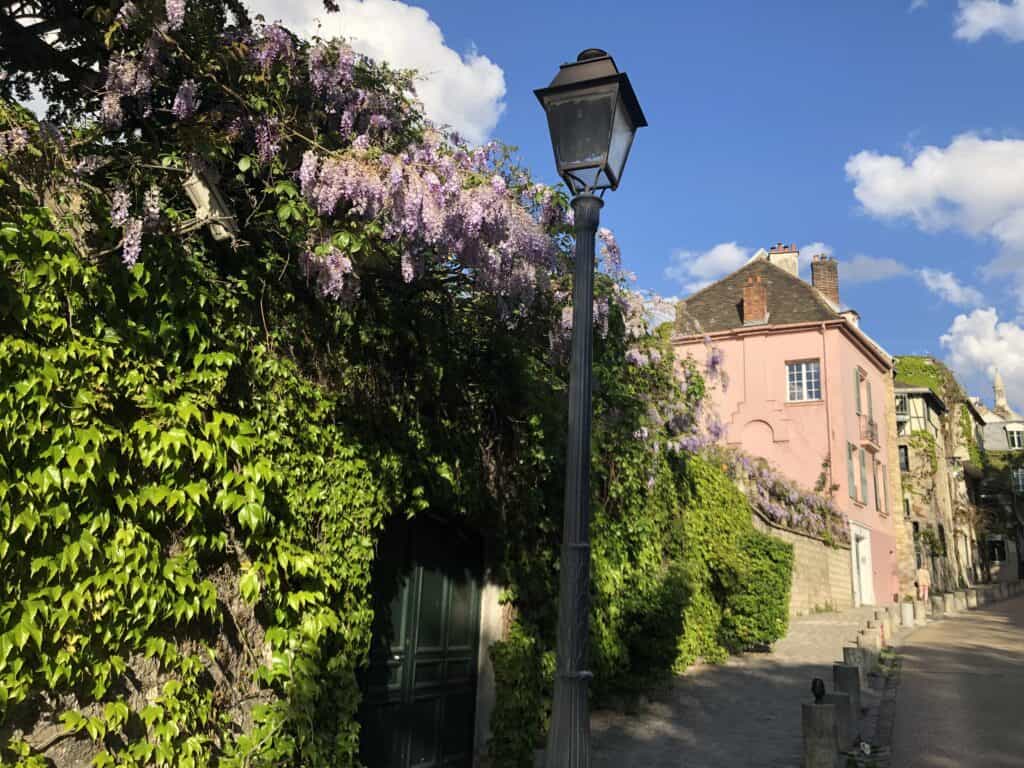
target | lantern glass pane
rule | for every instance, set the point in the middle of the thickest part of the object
(622, 139)
(581, 126)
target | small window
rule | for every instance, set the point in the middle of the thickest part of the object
(901, 406)
(904, 458)
(1018, 480)
(851, 473)
(1015, 438)
(857, 376)
(885, 490)
(863, 475)
(803, 381)
(906, 511)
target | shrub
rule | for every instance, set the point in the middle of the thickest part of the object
(755, 592)
(523, 678)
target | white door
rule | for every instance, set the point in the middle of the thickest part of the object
(860, 552)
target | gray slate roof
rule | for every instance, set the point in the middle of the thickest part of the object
(719, 307)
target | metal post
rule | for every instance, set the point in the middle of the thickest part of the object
(569, 737)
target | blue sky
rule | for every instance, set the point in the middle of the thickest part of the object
(755, 109)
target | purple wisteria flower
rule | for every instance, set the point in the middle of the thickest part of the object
(635, 357)
(714, 363)
(131, 245)
(151, 206)
(275, 45)
(408, 267)
(185, 100)
(308, 171)
(127, 12)
(175, 14)
(119, 204)
(611, 254)
(13, 141)
(332, 272)
(268, 140)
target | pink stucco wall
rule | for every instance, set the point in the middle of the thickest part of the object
(797, 437)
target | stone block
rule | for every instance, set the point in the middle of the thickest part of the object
(937, 606)
(855, 656)
(948, 604)
(846, 679)
(960, 600)
(846, 725)
(920, 612)
(907, 614)
(818, 724)
(972, 598)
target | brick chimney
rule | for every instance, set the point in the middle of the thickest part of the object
(755, 302)
(825, 277)
(786, 257)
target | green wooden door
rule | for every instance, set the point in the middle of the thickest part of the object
(420, 689)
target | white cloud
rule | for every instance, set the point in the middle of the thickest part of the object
(946, 286)
(694, 270)
(869, 269)
(917, 5)
(810, 250)
(465, 91)
(977, 18)
(974, 185)
(978, 343)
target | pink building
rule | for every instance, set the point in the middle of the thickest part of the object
(807, 390)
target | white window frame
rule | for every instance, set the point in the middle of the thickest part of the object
(1017, 479)
(802, 380)
(1015, 439)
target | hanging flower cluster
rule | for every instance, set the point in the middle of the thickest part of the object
(779, 500)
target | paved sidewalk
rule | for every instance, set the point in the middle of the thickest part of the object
(960, 691)
(743, 713)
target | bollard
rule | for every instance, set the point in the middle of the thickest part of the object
(846, 679)
(936, 601)
(1002, 591)
(972, 598)
(854, 656)
(920, 612)
(818, 722)
(846, 726)
(907, 614)
(960, 600)
(948, 604)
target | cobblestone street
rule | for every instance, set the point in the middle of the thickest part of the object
(958, 704)
(743, 713)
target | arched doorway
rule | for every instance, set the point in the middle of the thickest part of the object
(420, 688)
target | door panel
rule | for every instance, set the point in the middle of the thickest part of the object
(420, 687)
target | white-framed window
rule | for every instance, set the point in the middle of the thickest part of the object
(874, 478)
(902, 408)
(1015, 437)
(803, 380)
(1018, 480)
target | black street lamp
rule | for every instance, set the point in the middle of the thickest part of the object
(593, 116)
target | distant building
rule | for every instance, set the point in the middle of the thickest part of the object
(1003, 484)
(808, 390)
(939, 458)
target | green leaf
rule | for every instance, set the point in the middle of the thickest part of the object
(245, 164)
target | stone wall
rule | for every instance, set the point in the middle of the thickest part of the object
(822, 578)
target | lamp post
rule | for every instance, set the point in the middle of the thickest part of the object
(593, 116)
